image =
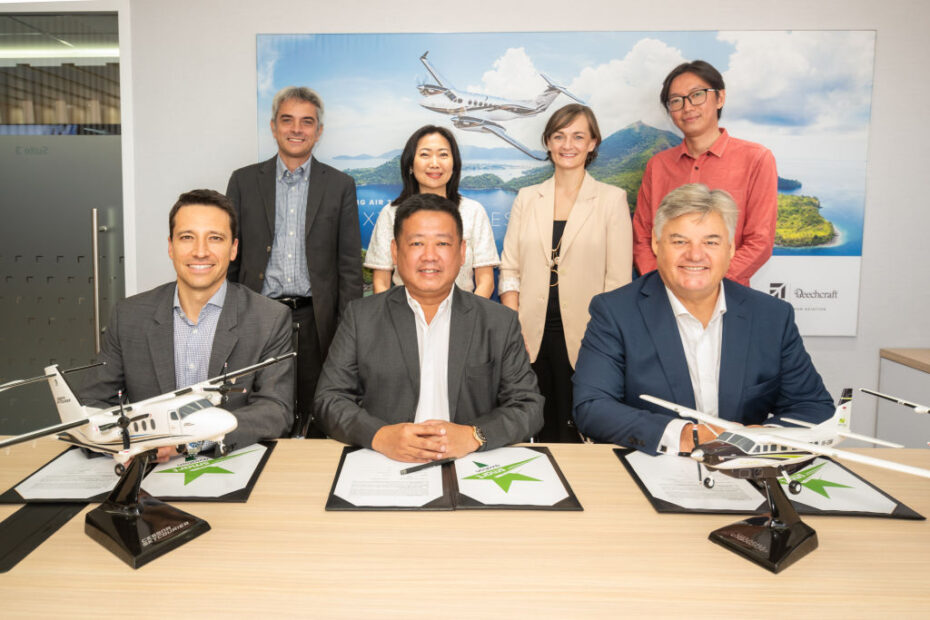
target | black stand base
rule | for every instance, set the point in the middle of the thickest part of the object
(774, 541)
(136, 527)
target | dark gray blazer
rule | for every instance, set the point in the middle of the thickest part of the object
(334, 246)
(372, 375)
(138, 348)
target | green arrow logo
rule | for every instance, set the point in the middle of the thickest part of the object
(817, 485)
(195, 469)
(502, 475)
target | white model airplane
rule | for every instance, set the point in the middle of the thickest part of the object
(186, 416)
(741, 451)
(483, 113)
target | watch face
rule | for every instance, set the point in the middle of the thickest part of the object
(479, 435)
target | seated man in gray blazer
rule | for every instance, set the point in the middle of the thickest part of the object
(184, 332)
(427, 371)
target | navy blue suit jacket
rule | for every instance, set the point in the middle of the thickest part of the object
(632, 347)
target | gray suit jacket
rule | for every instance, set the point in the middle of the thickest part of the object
(333, 242)
(138, 348)
(372, 375)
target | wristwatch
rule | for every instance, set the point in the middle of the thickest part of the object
(479, 437)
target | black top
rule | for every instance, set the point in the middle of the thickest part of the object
(553, 313)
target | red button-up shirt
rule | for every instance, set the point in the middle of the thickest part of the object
(744, 169)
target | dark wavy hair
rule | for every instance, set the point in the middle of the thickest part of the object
(209, 198)
(411, 186)
(700, 68)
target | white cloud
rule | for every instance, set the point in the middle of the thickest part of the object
(804, 80)
(626, 90)
(514, 76)
(268, 53)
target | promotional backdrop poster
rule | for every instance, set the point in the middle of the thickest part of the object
(806, 95)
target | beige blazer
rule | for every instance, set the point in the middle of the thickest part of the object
(596, 256)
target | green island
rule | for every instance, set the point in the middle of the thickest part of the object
(800, 223)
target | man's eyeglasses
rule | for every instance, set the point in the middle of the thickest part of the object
(696, 98)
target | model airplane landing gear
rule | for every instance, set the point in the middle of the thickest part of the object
(135, 526)
(774, 541)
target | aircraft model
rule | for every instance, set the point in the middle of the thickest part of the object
(764, 454)
(134, 526)
(187, 416)
(483, 113)
(917, 408)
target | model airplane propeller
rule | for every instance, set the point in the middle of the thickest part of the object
(138, 528)
(764, 454)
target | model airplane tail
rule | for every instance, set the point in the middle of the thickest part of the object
(553, 90)
(69, 409)
(843, 411)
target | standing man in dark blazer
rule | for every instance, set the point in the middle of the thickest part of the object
(299, 237)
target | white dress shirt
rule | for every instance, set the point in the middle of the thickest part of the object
(433, 346)
(702, 352)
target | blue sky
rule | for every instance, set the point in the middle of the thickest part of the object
(804, 94)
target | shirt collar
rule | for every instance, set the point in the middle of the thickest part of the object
(218, 298)
(679, 309)
(444, 305)
(302, 172)
(716, 149)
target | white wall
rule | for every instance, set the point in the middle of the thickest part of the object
(194, 108)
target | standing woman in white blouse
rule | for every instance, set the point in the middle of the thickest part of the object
(430, 164)
(568, 239)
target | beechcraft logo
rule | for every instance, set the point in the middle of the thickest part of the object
(195, 469)
(502, 475)
(817, 485)
(778, 289)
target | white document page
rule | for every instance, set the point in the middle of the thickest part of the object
(204, 476)
(369, 478)
(71, 476)
(510, 476)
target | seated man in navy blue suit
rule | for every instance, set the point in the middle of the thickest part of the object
(684, 334)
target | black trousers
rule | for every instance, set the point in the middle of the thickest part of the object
(554, 373)
(309, 364)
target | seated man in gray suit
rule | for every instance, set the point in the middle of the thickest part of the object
(427, 371)
(185, 332)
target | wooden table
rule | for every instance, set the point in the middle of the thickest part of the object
(282, 554)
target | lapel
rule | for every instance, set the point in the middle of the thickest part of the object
(581, 211)
(461, 329)
(657, 314)
(317, 184)
(266, 188)
(402, 319)
(734, 351)
(226, 336)
(543, 212)
(159, 332)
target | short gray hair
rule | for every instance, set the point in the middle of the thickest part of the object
(696, 198)
(301, 93)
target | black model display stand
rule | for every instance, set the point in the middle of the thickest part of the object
(774, 541)
(136, 527)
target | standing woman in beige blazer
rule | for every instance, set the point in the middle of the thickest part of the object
(568, 239)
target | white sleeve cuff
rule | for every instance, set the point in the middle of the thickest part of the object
(671, 438)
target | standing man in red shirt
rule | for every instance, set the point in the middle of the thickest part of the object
(694, 94)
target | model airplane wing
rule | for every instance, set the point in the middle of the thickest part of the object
(895, 399)
(470, 123)
(843, 454)
(43, 432)
(700, 416)
(436, 75)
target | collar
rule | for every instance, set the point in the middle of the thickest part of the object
(302, 172)
(444, 305)
(219, 297)
(716, 149)
(678, 308)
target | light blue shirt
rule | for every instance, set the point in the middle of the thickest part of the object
(193, 342)
(286, 274)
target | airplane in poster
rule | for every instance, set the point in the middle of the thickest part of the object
(741, 451)
(187, 416)
(484, 113)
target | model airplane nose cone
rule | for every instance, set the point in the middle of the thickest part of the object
(697, 454)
